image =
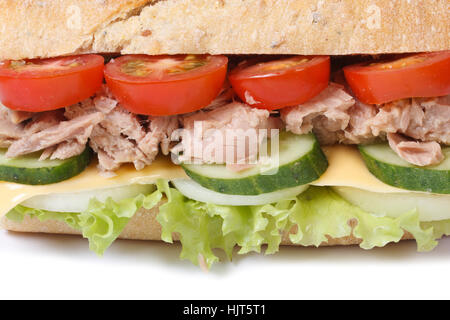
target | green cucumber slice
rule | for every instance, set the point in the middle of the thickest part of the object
(301, 161)
(192, 190)
(388, 167)
(430, 207)
(29, 170)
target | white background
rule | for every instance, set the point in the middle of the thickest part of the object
(54, 266)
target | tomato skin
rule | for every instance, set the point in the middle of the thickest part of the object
(428, 78)
(167, 96)
(44, 90)
(284, 88)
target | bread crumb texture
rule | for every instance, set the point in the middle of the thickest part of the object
(46, 28)
(143, 226)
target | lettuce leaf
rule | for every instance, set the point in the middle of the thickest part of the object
(203, 227)
(310, 218)
(320, 212)
(440, 228)
(101, 223)
(20, 212)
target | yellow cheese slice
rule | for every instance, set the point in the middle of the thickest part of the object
(12, 194)
(346, 168)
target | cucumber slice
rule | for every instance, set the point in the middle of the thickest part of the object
(301, 161)
(195, 191)
(29, 170)
(79, 201)
(388, 167)
(431, 207)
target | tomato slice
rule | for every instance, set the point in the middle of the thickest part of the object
(280, 83)
(166, 85)
(417, 75)
(49, 84)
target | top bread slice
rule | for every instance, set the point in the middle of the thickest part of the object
(47, 28)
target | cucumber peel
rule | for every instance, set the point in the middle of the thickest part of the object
(301, 161)
(29, 170)
(388, 167)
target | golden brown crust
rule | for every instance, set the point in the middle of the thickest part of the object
(50, 28)
(43, 28)
(143, 226)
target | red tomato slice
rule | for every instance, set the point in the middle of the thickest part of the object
(49, 84)
(418, 75)
(280, 83)
(166, 85)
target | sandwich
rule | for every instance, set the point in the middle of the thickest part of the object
(226, 124)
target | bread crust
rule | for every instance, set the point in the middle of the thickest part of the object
(44, 28)
(143, 226)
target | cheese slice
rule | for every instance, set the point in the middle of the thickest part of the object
(346, 168)
(12, 194)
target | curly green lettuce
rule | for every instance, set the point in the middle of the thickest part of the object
(101, 223)
(311, 218)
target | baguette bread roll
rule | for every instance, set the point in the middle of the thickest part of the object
(46, 28)
(143, 226)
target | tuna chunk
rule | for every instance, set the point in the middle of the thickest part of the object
(44, 120)
(19, 116)
(160, 133)
(420, 118)
(229, 134)
(436, 121)
(417, 153)
(9, 131)
(80, 128)
(64, 150)
(122, 137)
(116, 150)
(26, 132)
(336, 117)
(359, 130)
(121, 122)
(14, 116)
(327, 113)
(106, 163)
(13, 129)
(117, 135)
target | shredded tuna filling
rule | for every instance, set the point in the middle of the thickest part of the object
(231, 132)
(122, 137)
(415, 152)
(336, 117)
(57, 136)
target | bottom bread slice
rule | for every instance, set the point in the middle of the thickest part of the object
(143, 226)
